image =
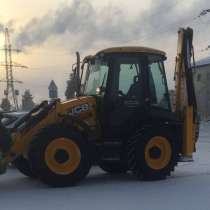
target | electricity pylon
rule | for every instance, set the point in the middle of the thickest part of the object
(10, 92)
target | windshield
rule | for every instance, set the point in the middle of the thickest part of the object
(96, 77)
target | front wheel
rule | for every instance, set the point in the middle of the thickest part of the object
(60, 156)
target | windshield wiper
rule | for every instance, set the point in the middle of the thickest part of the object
(102, 85)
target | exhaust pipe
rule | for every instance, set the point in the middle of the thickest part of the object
(78, 73)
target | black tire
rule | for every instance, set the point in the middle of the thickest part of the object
(23, 166)
(39, 163)
(138, 162)
(113, 167)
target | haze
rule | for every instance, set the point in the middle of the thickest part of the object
(49, 32)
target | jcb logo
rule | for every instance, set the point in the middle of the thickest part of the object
(80, 108)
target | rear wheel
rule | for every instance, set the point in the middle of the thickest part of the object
(22, 164)
(154, 155)
(60, 156)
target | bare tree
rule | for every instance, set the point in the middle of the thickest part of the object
(71, 86)
(5, 105)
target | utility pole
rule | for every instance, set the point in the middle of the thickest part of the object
(10, 92)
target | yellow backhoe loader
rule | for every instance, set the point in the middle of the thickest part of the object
(120, 119)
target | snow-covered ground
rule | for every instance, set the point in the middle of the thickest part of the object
(187, 189)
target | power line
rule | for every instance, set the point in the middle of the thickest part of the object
(163, 29)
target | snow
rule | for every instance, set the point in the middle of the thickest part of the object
(187, 188)
(204, 61)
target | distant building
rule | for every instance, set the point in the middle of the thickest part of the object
(201, 77)
(53, 90)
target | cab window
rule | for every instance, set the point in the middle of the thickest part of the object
(159, 96)
(128, 83)
(96, 77)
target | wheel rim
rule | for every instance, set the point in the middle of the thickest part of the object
(158, 153)
(62, 156)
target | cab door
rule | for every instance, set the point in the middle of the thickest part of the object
(124, 102)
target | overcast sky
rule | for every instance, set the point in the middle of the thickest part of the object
(50, 31)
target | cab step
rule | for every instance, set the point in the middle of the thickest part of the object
(185, 159)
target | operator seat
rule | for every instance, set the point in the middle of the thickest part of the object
(136, 89)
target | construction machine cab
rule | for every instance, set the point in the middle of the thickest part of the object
(135, 75)
(128, 83)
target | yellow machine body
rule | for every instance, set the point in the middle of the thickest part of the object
(185, 110)
(82, 108)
